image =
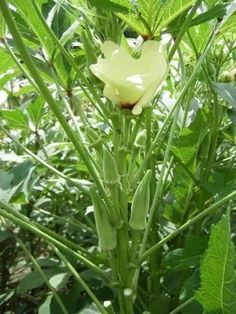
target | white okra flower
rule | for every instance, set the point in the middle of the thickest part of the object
(131, 83)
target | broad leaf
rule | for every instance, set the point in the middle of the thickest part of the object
(171, 10)
(187, 292)
(8, 62)
(228, 27)
(35, 279)
(35, 110)
(59, 281)
(152, 16)
(29, 14)
(45, 307)
(185, 149)
(189, 256)
(217, 293)
(16, 119)
(150, 10)
(109, 6)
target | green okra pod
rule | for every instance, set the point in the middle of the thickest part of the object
(112, 183)
(111, 175)
(205, 147)
(140, 204)
(105, 230)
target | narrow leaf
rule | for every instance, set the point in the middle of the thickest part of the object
(227, 92)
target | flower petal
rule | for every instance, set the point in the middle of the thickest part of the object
(128, 81)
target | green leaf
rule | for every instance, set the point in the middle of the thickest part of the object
(28, 12)
(59, 280)
(227, 92)
(170, 10)
(185, 149)
(35, 110)
(152, 16)
(6, 296)
(217, 292)
(1, 26)
(149, 10)
(8, 62)
(221, 182)
(90, 309)
(4, 235)
(200, 34)
(187, 292)
(34, 279)
(217, 11)
(7, 77)
(189, 256)
(16, 119)
(228, 27)
(45, 307)
(5, 180)
(109, 6)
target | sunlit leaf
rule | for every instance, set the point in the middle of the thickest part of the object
(109, 5)
(16, 119)
(35, 110)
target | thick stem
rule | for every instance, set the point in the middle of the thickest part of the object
(125, 273)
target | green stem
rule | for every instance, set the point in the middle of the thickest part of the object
(80, 281)
(39, 269)
(186, 225)
(134, 247)
(158, 190)
(183, 29)
(134, 133)
(123, 264)
(115, 272)
(181, 306)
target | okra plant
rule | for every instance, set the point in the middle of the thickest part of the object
(118, 156)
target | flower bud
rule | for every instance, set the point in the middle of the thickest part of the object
(140, 204)
(105, 230)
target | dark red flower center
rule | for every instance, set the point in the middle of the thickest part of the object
(128, 105)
